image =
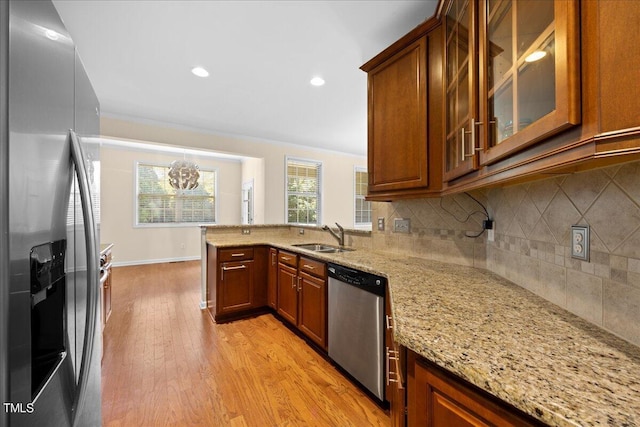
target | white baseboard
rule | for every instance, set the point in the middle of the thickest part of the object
(155, 261)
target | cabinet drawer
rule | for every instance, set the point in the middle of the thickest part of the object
(313, 267)
(288, 258)
(235, 254)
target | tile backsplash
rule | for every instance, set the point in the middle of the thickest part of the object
(532, 239)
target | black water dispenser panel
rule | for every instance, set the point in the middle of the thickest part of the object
(48, 289)
(47, 265)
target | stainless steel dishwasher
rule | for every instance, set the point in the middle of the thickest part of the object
(356, 325)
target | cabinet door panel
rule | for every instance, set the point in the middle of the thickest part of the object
(272, 280)
(437, 398)
(236, 286)
(398, 121)
(313, 312)
(288, 293)
(461, 89)
(529, 73)
(447, 412)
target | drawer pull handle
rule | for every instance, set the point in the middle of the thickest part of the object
(397, 375)
(237, 255)
(389, 322)
(388, 366)
(285, 258)
(310, 267)
(238, 267)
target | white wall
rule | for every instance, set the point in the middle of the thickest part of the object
(134, 245)
(337, 173)
(253, 169)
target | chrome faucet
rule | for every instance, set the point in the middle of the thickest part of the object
(339, 237)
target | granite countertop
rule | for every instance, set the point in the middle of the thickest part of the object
(504, 339)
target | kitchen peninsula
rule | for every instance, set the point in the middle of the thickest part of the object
(503, 339)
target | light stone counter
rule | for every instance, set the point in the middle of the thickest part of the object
(515, 345)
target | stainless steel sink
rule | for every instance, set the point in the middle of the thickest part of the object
(319, 247)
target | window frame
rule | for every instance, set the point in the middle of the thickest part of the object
(136, 209)
(356, 224)
(319, 165)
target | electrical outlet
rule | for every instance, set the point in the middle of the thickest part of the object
(246, 231)
(580, 242)
(401, 225)
(301, 231)
(381, 223)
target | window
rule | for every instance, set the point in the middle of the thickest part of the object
(159, 203)
(303, 191)
(362, 207)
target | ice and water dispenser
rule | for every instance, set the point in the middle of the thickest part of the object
(48, 287)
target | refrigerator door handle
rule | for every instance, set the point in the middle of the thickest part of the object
(92, 274)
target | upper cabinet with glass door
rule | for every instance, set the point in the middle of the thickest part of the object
(461, 87)
(526, 86)
(530, 72)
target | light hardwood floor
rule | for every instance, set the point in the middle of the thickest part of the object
(167, 363)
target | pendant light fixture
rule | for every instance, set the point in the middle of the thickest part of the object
(183, 175)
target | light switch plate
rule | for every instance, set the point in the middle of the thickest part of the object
(401, 225)
(580, 242)
(381, 223)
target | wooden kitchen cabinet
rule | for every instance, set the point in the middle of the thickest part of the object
(106, 279)
(500, 97)
(492, 116)
(312, 316)
(437, 398)
(302, 295)
(106, 260)
(272, 279)
(237, 282)
(288, 286)
(404, 110)
(461, 86)
(236, 286)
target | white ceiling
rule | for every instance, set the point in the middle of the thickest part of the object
(260, 55)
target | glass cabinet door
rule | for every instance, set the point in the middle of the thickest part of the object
(461, 110)
(528, 72)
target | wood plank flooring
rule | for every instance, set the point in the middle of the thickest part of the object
(166, 363)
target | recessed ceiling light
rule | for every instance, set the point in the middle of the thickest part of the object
(200, 72)
(51, 35)
(317, 81)
(535, 56)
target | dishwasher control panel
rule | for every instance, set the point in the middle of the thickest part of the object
(366, 281)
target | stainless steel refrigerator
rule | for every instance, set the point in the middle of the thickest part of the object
(50, 344)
